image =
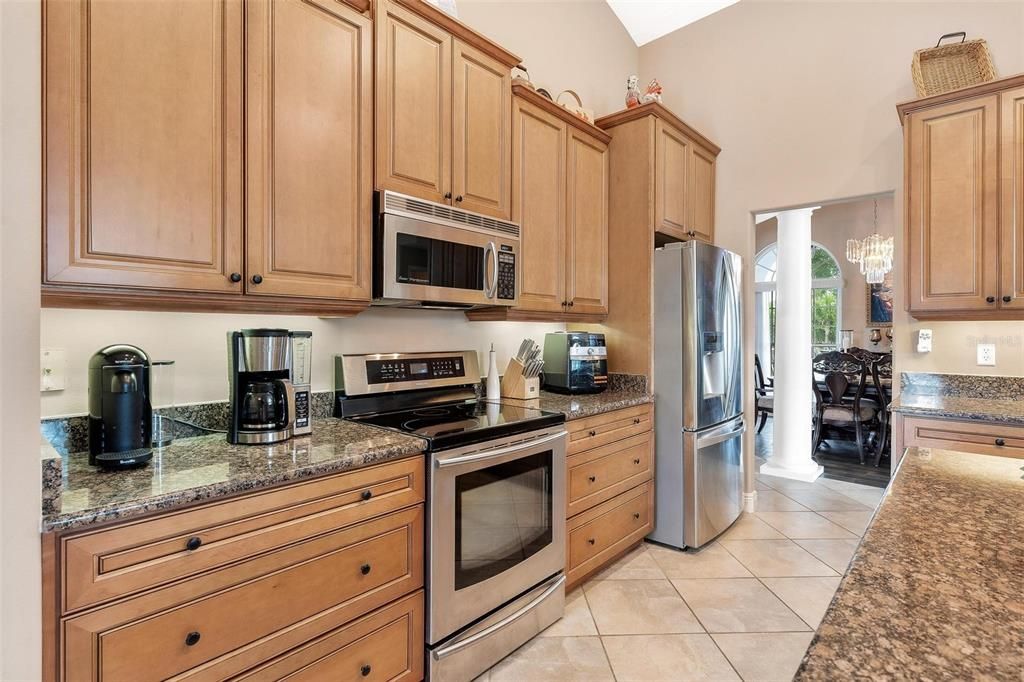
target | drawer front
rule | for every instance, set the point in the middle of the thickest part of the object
(602, 473)
(125, 559)
(350, 572)
(602, 533)
(602, 429)
(965, 436)
(385, 645)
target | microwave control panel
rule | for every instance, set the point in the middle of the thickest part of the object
(397, 370)
(506, 273)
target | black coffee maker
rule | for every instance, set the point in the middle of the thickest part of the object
(120, 411)
(262, 397)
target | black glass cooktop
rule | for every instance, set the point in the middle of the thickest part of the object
(453, 425)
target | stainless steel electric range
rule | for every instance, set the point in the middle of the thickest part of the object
(495, 506)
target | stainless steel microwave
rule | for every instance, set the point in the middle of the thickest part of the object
(429, 255)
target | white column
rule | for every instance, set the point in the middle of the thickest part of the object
(791, 451)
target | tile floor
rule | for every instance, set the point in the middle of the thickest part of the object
(744, 607)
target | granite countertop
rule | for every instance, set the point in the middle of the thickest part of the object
(205, 467)
(934, 590)
(579, 406)
(960, 407)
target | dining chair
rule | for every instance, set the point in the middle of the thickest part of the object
(764, 395)
(881, 377)
(833, 407)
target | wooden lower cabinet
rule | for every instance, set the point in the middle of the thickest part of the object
(610, 500)
(323, 602)
(983, 438)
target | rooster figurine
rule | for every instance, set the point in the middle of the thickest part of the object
(653, 93)
(632, 92)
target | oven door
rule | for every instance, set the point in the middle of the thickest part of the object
(496, 526)
(437, 263)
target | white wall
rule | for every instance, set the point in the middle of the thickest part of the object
(20, 613)
(575, 44)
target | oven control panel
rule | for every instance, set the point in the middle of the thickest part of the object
(394, 370)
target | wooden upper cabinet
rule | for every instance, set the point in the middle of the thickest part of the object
(143, 135)
(444, 125)
(587, 224)
(482, 94)
(672, 173)
(414, 104)
(1012, 198)
(952, 156)
(678, 167)
(538, 205)
(309, 121)
(702, 193)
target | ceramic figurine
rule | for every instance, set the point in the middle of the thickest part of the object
(632, 92)
(653, 93)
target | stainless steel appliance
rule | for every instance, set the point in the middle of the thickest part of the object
(301, 377)
(120, 408)
(436, 256)
(698, 370)
(495, 507)
(575, 362)
(262, 396)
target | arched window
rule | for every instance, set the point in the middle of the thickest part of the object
(826, 301)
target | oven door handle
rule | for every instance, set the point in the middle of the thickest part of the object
(504, 622)
(499, 452)
(492, 288)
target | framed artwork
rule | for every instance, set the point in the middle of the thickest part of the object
(879, 303)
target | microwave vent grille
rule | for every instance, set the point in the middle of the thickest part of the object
(428, 209)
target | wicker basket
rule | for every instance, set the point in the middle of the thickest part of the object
(951, 66)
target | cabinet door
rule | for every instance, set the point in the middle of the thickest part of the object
(481, 138)
(702, 194)
(538, 205)
(587, 225)
(309, 142)
(952, 207)
(671, 181)
(1011, 139)
(143, 124)
(414, 105)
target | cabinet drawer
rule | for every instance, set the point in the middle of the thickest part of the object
(602, 429)
(602, 473)
(965, 436)
(105, 564)
(385, 645)
(332, 579)
(602, 533)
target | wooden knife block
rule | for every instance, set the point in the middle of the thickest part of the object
(515, 385)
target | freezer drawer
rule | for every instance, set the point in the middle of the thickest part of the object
(713, 481)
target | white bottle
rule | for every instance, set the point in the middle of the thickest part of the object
(493, 383)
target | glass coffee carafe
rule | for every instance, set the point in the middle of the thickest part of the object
(263, 406)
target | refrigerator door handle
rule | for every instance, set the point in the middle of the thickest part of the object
(719, 436)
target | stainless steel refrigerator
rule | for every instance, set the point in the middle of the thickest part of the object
(698, 379)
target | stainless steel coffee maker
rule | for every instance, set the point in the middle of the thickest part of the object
(262, 395)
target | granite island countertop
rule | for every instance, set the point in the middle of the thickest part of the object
(580, 406)
(206, 467)
(936, 588)
(995, 410)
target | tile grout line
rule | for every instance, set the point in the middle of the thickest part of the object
(600, 637)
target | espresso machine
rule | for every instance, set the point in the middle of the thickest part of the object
(262, 395)
(120, 408)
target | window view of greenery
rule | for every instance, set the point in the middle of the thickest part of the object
(825, 300)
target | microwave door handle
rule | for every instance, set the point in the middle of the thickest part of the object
(492, 287)
(504, 622)
(498, 452)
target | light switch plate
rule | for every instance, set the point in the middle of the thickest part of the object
(987, 354)
(52, 369)
(924, 340)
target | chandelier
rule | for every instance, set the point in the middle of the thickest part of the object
(873, 254)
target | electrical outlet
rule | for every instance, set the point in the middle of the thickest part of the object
(52, 368)
(987, 354)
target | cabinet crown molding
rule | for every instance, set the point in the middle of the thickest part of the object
(998, 85)
(658, 111)
(530, 95)
(440, 18)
